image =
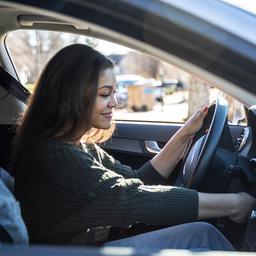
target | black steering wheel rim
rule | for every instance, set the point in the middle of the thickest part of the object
(207, 138)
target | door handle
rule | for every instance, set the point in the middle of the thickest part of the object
(152, 146)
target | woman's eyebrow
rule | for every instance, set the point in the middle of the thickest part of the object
(107, 87)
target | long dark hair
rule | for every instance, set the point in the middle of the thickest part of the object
(63, 99)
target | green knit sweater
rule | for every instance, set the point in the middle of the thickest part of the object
(73, 195)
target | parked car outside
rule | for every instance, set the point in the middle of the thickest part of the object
(130, 84)
(172, 85)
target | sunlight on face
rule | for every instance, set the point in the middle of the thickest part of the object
(106, 100)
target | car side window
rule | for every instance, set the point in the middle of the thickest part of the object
(148, 89)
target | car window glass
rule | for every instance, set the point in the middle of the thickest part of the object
(148, 89)
(249, 6)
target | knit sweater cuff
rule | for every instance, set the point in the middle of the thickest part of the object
(150, 176)
(172, 205)
(186, 211)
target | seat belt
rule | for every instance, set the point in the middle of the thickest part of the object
(14, 87)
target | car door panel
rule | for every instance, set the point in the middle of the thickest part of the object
(131, 140)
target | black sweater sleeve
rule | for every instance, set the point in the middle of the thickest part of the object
(146, 173)
(110, 199)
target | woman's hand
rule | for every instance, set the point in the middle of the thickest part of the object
(193, 125)
(165, 161)
(242, 207)
(235, 206)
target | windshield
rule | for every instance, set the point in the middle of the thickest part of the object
(229, 15)
(247, 5)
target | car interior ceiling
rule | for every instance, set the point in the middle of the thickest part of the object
(16, 90)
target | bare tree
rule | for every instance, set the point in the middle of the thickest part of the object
(31, 50)
(141, 64)
(236, 110)
(198, 95)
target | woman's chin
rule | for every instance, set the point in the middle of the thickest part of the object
(104, 126)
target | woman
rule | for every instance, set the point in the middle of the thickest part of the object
(73, 193)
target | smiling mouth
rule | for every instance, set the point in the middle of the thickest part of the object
(110, 114)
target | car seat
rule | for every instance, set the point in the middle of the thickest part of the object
(4, 235)
(12, 227)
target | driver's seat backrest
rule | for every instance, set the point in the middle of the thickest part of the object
(11, 222)
(12, 226)
(7, 179)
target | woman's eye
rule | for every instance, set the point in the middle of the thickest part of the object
(104, 95)
(107, 94)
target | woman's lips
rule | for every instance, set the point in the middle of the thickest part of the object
(108, 115)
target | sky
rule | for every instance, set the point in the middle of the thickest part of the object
(108, 48)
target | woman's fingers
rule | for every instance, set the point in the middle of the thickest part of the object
(203, 112)
(196, 121)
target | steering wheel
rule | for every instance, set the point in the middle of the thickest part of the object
(200, 152)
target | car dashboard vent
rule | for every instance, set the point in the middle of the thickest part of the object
(241, 140)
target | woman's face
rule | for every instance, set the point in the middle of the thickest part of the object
(105, 101)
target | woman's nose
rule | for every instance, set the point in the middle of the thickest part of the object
(113, 101)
